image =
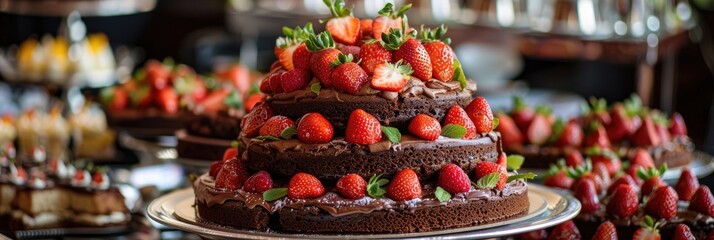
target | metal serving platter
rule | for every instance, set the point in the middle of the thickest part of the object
(548, 207)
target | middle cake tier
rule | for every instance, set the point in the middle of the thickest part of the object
(332, 160)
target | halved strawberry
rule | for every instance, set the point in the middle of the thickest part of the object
(343, 26)
(251, 123)
(363, 128)
(458, 115)
(314, 128)
(275, 126)
(365, 26)
(390, 77)
(648, 231)
(425, 127)
(389, 19)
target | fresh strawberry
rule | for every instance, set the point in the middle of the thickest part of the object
(314, 128)
(502, 159)
(632, 171)
(389, 19)
(276, 66)
(484, 168)
(373, 54)
(238, 75)
(199, 91)
(252, 100)
(643, 158)
(265, 84)
(453, 179)
(275, 82)
(301, 57)
(440, 53)
(365, 25)
(662, 203)
(585, 193)
(607, 157)
(572, 135)
(363, 128)
(275, 126)
(522, 113)
(480, 114)
(324, 53)
(168, 100)
(647, 134)
(582, 173)
(559, 180)
(702, 201)
(425, 127)
(682, 232)
(285, 56)
(347, 76)
(216, 100)
(651, 176)
(157, 75)
(296, 79)
(623, 180)
(621, 124)
(597, 114)
(511, 136)
(253, 121)
(229, 153)
(232, 175)
(606, 231)
(344, 27)
(215, 168)
(258, 183)
(623, 202)
(410, 51)
(390, 77)
(565, 231)
(305, 186)
(539, 130)
(352, 186)
(404, 186)
(677, 126)
(287, 46)
(458, 115)
(601, 169)
(573, 158)
(686, 185)
(141, 97)
(533, 235)
(597, 137)
(114, 98)
(648, 231)
(350, 49)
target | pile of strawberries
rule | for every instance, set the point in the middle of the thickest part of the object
(169, 87)
(648, 230)
(364, 128)
(231, 174)
(383, 52)
(627, 121)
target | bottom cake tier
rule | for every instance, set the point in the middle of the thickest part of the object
(331, 213)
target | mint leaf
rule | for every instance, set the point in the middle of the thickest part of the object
(315, 88)
(254, 89)
(392, 134)
(453, 131)
(267, 138)
(442, 194)
(521, 176)
(488, 181)
(275, 194)
(288, 133)
(233, 101)
(375, 186)
(459, 73)
(496, 121)
(515, 161)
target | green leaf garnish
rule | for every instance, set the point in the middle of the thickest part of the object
(288, 133)
(515, 161)
(488, 181)
(459, 73)
(442, 194)
(392, 134)
(254, 89)
(375, 186)
(234, 101)
(267, 138)
(521, 176)
(315, 88)
(274, 194)
(496, 121)
(453, 131)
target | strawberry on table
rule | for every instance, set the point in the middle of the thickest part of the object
(453, 179)
(606, 231)
(347, 75)
(647, 134)
(253, 121)
(662, 203)
(314, 128)
(565, 231)
(404, 186)
(324, 54)
(686, 185)
(572, 135)
(352, 186)
(390, 77)
(344, 27)
(305, 186)
(480, 114)
(114, 98)
(597, 137)
(588, 197)
(522, 113)
(540, 127)
(409, 50)
(574, 158)
(623, 180)
(425, 127)
(458, 115)
(363, 128)
(372, 54)
(389, 19)
(440, 53)
(558, 179)
(275, 126)
(652, 179)
(511, 136)
(232, 175)
(484, 168)
(702, 201)
(258, 182)
(643, 158)
(623, 202)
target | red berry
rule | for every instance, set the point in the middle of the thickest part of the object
(624, 202)
(363, 128)
(565, 231)
(480, 114)
(352, 186)
(373, 54)
(404, 186)
(296, 79)
(232, 175)
(606, 231)
(259, 182)
(253, 121)
(511, 136)
(305, 186)
(425, 127)
(585, 193)
(453, 179)
(573, 158)
(275, 126)
(458, 115)
(559, 180)
(702, 201)
(686, 185)
(682, 232)
(484, 168)
(349, 77)
(662, 203)
(215, 168)
(626, 180)
(314, 128)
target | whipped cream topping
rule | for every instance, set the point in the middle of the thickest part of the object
(18, 176)
(37, 182)
(58, 169)
(81, 179)
(103, 184)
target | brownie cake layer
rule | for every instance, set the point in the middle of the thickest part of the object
(331, 213)
(395, 109)
(200, 148)
(222, 125)
(146, 123)
(330, 161)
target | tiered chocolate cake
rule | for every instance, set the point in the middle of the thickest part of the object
(375, 134)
